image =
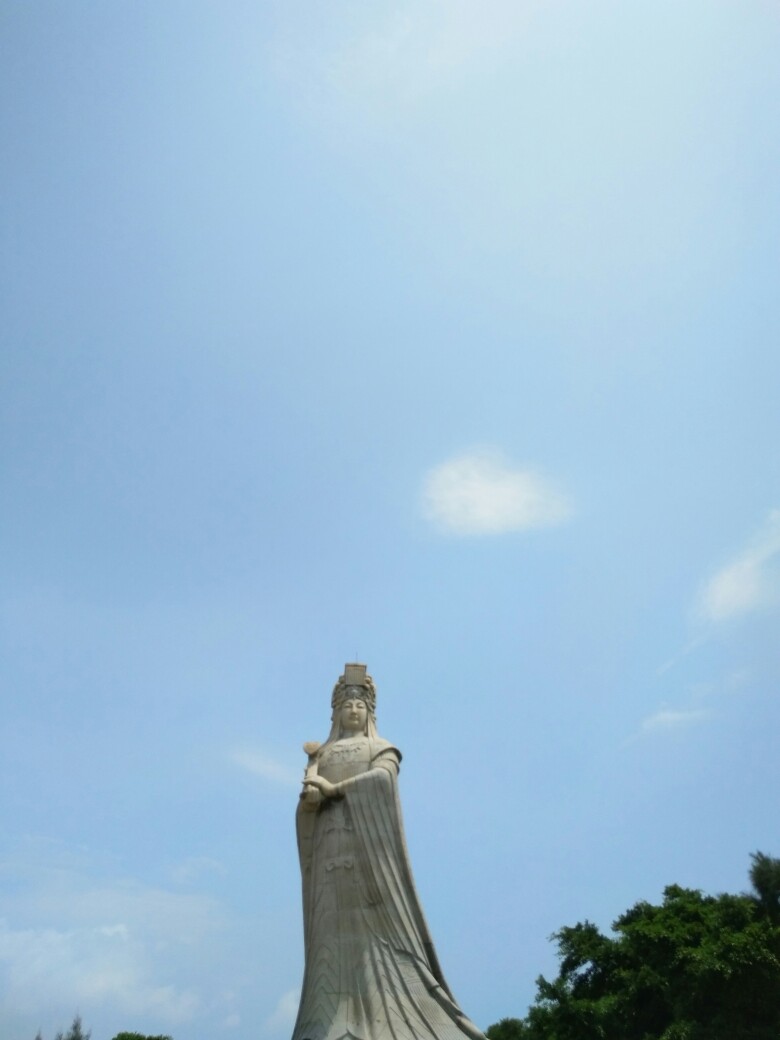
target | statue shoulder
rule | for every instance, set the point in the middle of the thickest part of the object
(380, 746)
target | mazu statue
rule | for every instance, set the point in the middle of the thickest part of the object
(371, 967)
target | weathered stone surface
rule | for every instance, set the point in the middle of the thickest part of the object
(371, 968)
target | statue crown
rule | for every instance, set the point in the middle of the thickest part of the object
(354, 677)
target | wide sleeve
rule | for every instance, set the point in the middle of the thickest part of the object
(375, 811)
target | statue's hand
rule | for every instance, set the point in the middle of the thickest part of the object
(311, 799)
(325, 787)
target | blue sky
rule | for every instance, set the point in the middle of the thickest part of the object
(439, 335)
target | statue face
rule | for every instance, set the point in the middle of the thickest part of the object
(353, 715)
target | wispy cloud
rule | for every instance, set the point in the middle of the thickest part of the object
(699, 697)
(194, 868)
(107, 944)
(261, 764)
(87, 966)
(395, 53)
(689, 647)
(478, 493)
(282, 1019)
(669, 719)
(749, 581)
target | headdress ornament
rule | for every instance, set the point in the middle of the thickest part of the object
(355, 676)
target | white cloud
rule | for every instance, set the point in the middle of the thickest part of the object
(422, 43)
(749, 581)
(69, 941)
(478, 493)
(737, 680)
(268, 768)
(284, 1014)
(195, 868)
(669, 719)
(699, 694)
(84, 967)
(394, 53)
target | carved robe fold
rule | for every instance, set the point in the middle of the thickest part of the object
(371, 968)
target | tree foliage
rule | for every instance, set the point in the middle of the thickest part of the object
(74, 1033)
(77, 1033)
(508, 1029)
(765, 879)
(696, 967)
(139, 1036)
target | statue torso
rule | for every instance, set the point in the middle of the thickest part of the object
(344, 759)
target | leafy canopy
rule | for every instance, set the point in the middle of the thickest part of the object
(696, 967)
(77, 1033)
(139, 1036)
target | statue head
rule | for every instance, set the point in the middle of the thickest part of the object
(354, 687)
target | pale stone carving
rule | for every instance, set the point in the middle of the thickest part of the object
(371, 968)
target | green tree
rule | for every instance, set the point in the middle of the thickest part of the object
(765, 879)
(696, 967)
(139, 1036)
(75, 1032)
(508, 1029)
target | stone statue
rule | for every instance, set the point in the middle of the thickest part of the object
(371, 968)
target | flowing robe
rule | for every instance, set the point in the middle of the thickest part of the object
(371, 968)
